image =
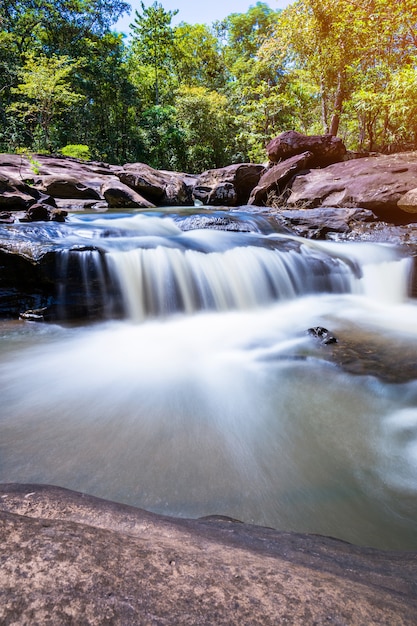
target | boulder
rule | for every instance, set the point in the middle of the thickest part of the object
(408, 202)
(159, 187)
(323, 223)
(272, 183)
(326, 149)
(71, 558)
(228, 186)
(119, 195)
(15, 194)
(374, 183)
(66, 186)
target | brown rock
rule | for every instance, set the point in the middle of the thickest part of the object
(72, 558)
(15, 194)
(376, 183)
(65, 186)
(159, 187)
(230, 186)
(326, 149)
(119, 195)
(319, 223)
(277, 177)
(408, 202)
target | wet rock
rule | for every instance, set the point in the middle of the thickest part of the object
(324, 336)
(72, 558)
(326, 149)
(374, 183)
(271, 186)
(6, 217)
(119, 195)
(34, 315)
(326, 223)
(228, 186)
(37, 213)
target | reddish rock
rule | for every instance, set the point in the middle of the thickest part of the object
(159, 187)
(275, 179)
(230, 186)
(326, 149)
(376, 183)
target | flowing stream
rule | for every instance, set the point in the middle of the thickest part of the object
(201, 391)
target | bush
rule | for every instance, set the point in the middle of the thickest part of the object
(77, 151)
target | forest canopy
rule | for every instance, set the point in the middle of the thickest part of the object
(192, 97)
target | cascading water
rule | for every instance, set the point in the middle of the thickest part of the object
(218, 401)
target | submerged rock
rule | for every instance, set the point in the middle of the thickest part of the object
(71, 558)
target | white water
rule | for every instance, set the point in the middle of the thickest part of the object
(234, 412)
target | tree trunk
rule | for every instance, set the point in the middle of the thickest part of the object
(338, 105)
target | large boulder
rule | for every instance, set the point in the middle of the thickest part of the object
(272, 183)
(69, 558)
(228, 186)
(66, 186)
(119, 195)
(16, 195)
(326, 149)
(158, 187)
(376, 183)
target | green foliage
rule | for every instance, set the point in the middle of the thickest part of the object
(76, 151)
(192, 97)
(44, 93)
(153, 41)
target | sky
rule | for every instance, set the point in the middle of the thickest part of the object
(195, 12)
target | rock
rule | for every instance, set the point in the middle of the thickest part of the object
(72, 558)
(117, 195)
(326, 149)
(64, 186)
(408, 202)
(37, 213)
(322, 223)
(15, 194)
(230, 186)
(159, 187)
(273, 181)
(6, 217)
(324, 336)
(374, 183)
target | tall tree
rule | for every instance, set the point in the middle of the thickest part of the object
(153, 41)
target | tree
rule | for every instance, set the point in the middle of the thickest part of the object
(153, 41)
(44, 94)
(207, 122)
(197, 57)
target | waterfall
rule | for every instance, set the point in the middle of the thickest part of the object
(160, 281)
(144, 267)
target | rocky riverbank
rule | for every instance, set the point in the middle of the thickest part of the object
(311, 185)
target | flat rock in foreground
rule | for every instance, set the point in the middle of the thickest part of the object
(68, 558)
